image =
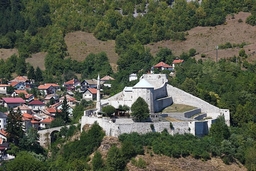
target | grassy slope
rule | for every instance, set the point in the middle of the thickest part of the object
(203, 39)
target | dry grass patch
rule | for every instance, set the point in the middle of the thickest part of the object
(37, 60)
(205, 39)
(178, 108)
(6, 53)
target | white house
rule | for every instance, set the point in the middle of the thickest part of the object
(36, 105)
(2, 120)
(90, 94)
(3, 88)
(132, 77)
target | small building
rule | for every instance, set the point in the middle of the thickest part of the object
(36, 105)
(90, 94)
(46, 89)
(3, 118)
(3, 134)
(45, 123)
(71, 101)
(106, 81)
(72, 84)
(89, 83)
(51, 97)
(176, 62)
(132, 77)
(23, 109)
(27, 97)
(12, 102)
(3, 88)
(163, 66)
(21, 82)
(18, 85)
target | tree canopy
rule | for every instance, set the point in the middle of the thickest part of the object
(140, 110)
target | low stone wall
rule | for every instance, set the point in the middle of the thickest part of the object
(191, 113)
(201, 116)
(181, 127)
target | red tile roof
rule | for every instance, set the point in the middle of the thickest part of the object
(47, 120)
(36, 102)
(13, 100)
(34, 122)
(92, 90)
(70, 82)
(52, 110)
(21, 91)
(13, 84)
(177, 61)
(4, 85)
(3, 132)
(162, 64)
(20, 79)
(106, 78)
(44, 87)
(25, 119)
(52, 84)
(26, 115)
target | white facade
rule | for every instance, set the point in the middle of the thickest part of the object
(3, 88)
(3, 118)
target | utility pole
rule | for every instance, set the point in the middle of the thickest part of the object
(217, 47)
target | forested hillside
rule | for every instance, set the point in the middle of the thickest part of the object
(41, 26)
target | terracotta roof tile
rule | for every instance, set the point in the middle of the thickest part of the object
(162, 64)
(3, 132)
(20, 79)
(26, 115)
(177, 61)
(44, 87)
(13, 100)
(92, 90)
(47, 120)
(36, 102)
(4, 85)
(106, 78)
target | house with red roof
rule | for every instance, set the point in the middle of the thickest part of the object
(72, 84)
(45, 123)
(12, 102)
(23, 109)
(3, 88)
(71, 101)
(176, 62)
(90, 94)
(36, 105)
(27, 97)
(163, 66)
(46, 89)
(3, 134)
(20, 82)
(106, 80)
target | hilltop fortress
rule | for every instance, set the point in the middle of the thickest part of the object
(158, 94)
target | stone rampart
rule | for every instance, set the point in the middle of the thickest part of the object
(181, 97)
(191, 113)
(160, 92)
(181, 127)
(160, 104)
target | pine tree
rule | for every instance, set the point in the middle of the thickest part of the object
(31, 73)
(140, 110)
(64, 111)
(14, 127)
(39, 75)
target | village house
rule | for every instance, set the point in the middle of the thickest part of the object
(23, 109)
(47, 88)
(3, 134)
(133, 77)
(90, 94)
(12, 102)
(45, 123)
(20, 83)
(26, 122)
(106, 80)
(3, 118)
(72, 84)
(3, 88)
(27, 97)
(176, 62)
(162, 66)
(89, 84)
(36, 105)
(71, 101)
(51, 98)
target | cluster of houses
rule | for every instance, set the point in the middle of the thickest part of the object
(38, 113)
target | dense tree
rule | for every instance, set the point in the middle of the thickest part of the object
(38, 75)
(97, 161)
(65, 111)
(31, 73)
(140, 110)
(115, 161)
(14, 127)
(219, 131)
(109, 110)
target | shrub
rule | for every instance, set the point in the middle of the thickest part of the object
(203, 55)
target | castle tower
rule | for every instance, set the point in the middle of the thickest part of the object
(98, 104)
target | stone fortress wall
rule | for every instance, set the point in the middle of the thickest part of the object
(163, 95)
